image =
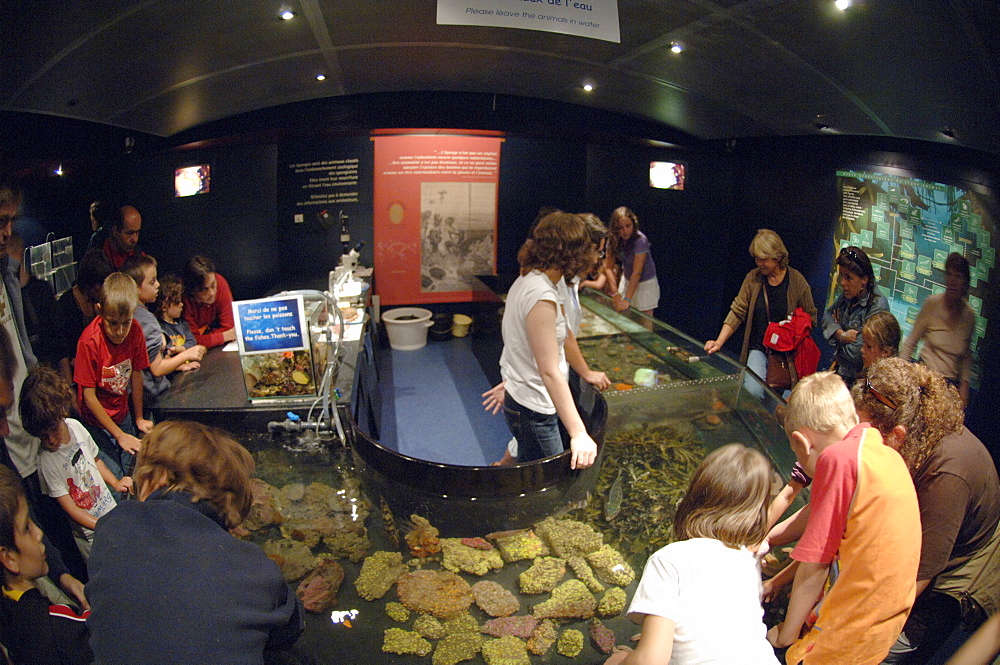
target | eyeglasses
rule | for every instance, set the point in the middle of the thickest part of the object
(879, 396)
(852, 254)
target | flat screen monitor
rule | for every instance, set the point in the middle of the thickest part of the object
(667, 175)
(191, 180)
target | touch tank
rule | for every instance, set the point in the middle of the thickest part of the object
(551, 590)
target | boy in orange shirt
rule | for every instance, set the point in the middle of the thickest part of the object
(856, 536)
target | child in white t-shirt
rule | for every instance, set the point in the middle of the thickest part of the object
(68, 461)
(699, 598)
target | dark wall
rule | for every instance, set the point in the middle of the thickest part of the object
(573, 159)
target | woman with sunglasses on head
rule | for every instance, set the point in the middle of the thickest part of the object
(945, 324)
(920, 415)
(859, 299)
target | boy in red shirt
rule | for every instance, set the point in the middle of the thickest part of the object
(856, 546)
(110, 357)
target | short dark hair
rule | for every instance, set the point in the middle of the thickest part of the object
(196, 270)
(135, 267)
(958, 264)
(10, 189)
(171, 293)
(46, 399)
(92, 270)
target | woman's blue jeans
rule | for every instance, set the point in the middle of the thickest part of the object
(538, 434)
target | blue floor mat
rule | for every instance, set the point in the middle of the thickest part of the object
(432, 405)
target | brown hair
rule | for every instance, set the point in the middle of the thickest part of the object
(881, 330)
(135, 267)
(205, 461)
(171, 293)
(119, 296)
(196, 270)
(11, 496)
(958, 264)
(46, 399)
(926, 405)
(561, 241)
(727, 498)
(856, 261)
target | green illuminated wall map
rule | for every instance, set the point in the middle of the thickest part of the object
(908, 227)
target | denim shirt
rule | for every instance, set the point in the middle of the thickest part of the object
(851, 316)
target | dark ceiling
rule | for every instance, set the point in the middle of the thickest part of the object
(918, 69)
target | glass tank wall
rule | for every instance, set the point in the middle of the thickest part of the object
(668, 407)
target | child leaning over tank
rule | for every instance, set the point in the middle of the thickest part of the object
(699, 598)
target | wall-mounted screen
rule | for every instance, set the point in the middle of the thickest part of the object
(667, 175)
(908, 227)
(191, 180)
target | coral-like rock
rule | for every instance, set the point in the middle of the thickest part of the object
(570, 643)
(612, 603)
(378, 573)
(351, 545)
(293, 558)
(477, 543)
(543, 576)
(583, 573)
(610, 566)
(567, 538)
(507, 650)
(423, 538)
(397, 612)
(318, 591)
(602, 636)
(438, 592)
(456, 648)
(460, 558)
(463, 623)
(429, 626)
(521, 545)
(318, 511)
(522, 626)
(570, 600)
(494, 599)
(264, 510)
(403, 642)
(543, 638)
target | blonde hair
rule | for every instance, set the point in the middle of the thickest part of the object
(881, 330)
(768, 245)
(119, 296)
(926, 405)
(727, 498)
(820, 402)
(205, 461)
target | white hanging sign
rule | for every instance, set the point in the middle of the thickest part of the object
(597, 19)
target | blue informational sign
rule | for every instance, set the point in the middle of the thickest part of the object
(270, 324)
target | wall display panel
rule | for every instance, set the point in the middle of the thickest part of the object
(435, 215)
(908, 226)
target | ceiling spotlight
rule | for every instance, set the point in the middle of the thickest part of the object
(676, 47)
(287, 14)
(589, 87)
(321, 77)
(842, 5)
(59, 171)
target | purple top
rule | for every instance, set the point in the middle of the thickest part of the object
(637, 244)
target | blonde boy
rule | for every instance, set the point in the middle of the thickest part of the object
(68, 462)
(857, 533)
(110, 357)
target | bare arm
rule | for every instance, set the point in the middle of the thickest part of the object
(76, 513)
(982, 647)
(162, 365)
(809, 580)
(141, 423)
(579, 364)
(791, 529)
(655, 646)
(127, 442)
(541, 324)
(782, 502)
(713, 345)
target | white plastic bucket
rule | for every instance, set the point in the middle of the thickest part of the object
(407, 327)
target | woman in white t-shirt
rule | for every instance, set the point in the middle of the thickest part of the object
(534, 331)
(699, 598)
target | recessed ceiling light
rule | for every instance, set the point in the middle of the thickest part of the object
(676, 47)
(842, 4)
(59, 171)
(321, 77)
(287, 14)
(588, 87)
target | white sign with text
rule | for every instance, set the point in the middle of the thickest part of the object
(597, 19)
